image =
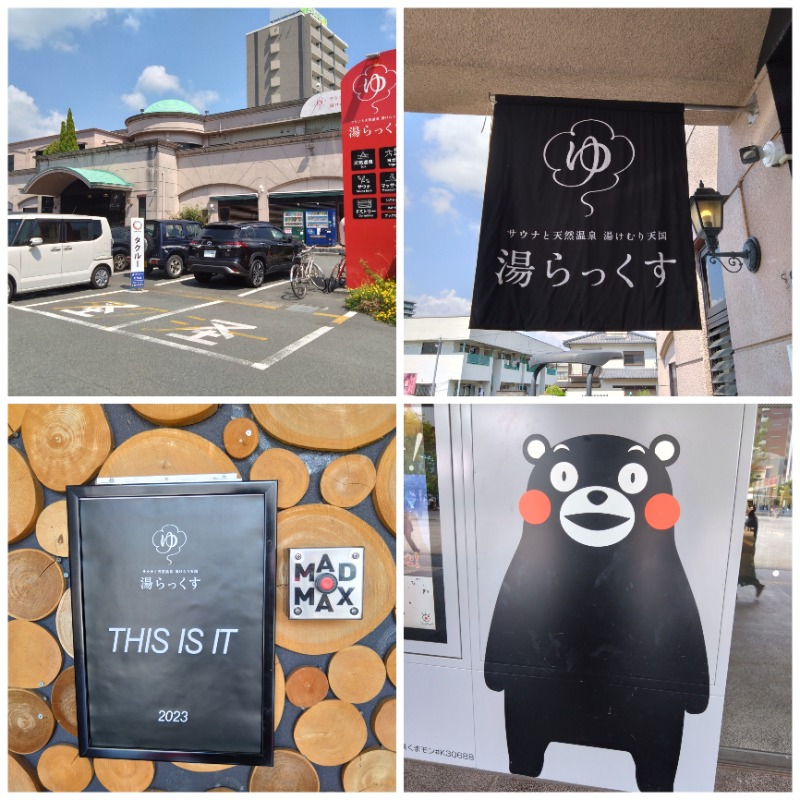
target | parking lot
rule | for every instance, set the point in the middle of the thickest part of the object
(178, 337)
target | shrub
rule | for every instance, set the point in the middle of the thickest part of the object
(192, 213)
(554, 390)
(378, 299)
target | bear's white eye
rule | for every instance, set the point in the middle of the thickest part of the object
(632, 478)
(564, 476)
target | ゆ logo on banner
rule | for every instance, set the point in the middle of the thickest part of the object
(586, 153)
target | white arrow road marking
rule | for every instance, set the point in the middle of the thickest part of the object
(141, 336)
(90, 311)
(218, 328)
(167, 314)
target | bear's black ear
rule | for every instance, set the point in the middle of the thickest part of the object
(666, 449)
(535, 447)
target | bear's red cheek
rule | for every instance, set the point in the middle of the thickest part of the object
(535, 507)
(662, 511)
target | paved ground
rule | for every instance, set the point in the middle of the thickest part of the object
(184, 338)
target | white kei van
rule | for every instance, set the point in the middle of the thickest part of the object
(49, 250)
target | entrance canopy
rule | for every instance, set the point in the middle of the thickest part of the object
(53, 181)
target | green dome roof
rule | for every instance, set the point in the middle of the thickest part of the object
(171, 107)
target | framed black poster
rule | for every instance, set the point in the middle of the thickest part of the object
(173, 597)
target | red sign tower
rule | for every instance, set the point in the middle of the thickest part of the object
(369, 154)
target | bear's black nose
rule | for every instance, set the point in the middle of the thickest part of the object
(597, 497)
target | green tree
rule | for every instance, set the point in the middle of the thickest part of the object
(70, 138)
(67, 141)
(555, 391)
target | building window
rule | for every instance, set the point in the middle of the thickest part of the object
(11, 163)
(430, 348)
(633, 358)
(673, 379)
(142, 206)
(633, 391)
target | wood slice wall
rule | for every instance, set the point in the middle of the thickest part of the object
(336, 729)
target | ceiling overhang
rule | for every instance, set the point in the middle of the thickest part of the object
(455, 59)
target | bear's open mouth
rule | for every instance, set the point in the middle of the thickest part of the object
(596, 521)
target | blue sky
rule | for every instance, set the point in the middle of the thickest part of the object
(106, 64)
(445, 172)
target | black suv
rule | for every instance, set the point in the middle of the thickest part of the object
(121, 247)
(169, 241)
(246, 249)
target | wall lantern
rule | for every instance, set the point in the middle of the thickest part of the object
(706, 206)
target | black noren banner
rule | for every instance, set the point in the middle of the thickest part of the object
(585, 220)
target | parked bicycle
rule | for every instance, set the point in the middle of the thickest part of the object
(307, 271)
(304, 272)
(338, 276)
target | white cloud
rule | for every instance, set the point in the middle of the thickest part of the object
(389, 24)
(135, 100)
(440, 200)
(447, 304)
(458, 152)
(202, 100)
(133, 22)
(155, 81)
(26, 121)
(31, 28)
(556, 339)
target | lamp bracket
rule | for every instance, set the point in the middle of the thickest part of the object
(749, 257)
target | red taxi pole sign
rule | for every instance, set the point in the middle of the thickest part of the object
(369, 155)
(137, 253)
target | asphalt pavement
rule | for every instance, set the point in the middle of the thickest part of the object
(183, 338)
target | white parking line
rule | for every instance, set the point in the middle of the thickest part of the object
(173, 281)
(261, 288)
(289, 349)
(72, 299)
(166, 314)
(141, 336)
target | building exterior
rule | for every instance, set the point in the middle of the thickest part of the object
(445, 357)
(408, 308)
(293, 58)
(771, 470)
(253, 163)
(633, 374)
(745, 345)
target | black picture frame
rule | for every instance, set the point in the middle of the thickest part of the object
(85, 681)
